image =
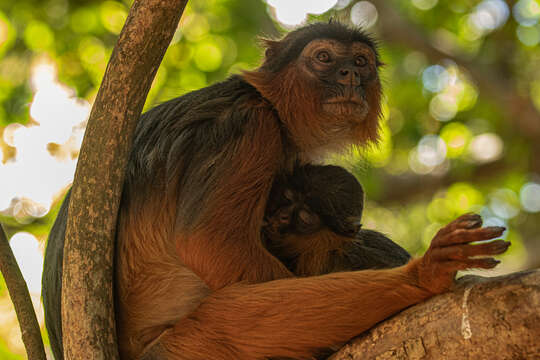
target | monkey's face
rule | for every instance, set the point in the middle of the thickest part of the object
(344, 73)
(287, 212)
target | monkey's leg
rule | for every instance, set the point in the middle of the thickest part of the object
(291, 318)
(297, 317)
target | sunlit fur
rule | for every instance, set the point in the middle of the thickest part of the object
(297, 97)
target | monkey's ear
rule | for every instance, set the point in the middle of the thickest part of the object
(355, 220)
(271, 47)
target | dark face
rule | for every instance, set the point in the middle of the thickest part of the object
(288, 212)
(344, 72)
(315, 197)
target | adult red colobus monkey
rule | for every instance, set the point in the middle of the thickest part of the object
(193, 279)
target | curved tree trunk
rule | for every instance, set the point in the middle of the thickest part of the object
(483, 318)
(87, 297)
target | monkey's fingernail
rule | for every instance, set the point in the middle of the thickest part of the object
(500, 246)
(473, 223)
(495, 229)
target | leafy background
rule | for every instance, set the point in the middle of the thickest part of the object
(461, 127)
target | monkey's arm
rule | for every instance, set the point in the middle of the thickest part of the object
(297, 317)
(223, 246)
(290, 318)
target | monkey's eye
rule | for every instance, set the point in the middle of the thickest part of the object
(324, 56)
(289, 195)
(360, 61)
(307, 222)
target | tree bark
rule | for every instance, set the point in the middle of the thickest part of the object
(87, 297)
(18, 291)
(482, 318)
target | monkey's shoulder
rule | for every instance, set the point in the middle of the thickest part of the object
(197, 125)
(207, 104)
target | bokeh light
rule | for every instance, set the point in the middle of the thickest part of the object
(295, 12)
(208, 56)
(486, 147)
(195, 27)
(504, 203)
(113, 15)
(529, 196)
(425, 4)
(490, 15)
(92, 51)
(464, 198)
(416, 165)
(84, 20)
(443, 107)
(529, 36)
(527, 12)
(364, 14)
(414, 62)
(7, 33)
(457, 137)
(431, 150)
(38, 36)
(435, 78)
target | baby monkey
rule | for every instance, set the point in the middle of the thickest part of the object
(327, 200)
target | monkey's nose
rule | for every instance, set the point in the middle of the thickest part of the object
(348, 76)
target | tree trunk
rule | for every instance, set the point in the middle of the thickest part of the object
(483, 318)
(87, 296)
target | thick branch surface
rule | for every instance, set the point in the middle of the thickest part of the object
(18, 291)
(483, 318)
(87, 296)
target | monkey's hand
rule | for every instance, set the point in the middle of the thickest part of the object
(451, 250)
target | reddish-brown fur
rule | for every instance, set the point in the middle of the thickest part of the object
(212, 291)
(316, 254)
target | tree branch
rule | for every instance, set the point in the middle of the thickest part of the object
(405, 188)
(87, 296)
(483, 318)
(18, 291)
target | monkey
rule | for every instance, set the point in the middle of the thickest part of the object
(193, 279)
(315, 198)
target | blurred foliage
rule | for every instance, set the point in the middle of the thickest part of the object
(448, 146)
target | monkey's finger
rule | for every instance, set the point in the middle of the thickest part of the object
(484, 263)
(462, 252)
(467, 221)
(463, 236)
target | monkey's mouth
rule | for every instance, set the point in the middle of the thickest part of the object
(356, 106)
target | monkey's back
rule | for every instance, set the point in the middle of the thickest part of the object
(177, 150)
